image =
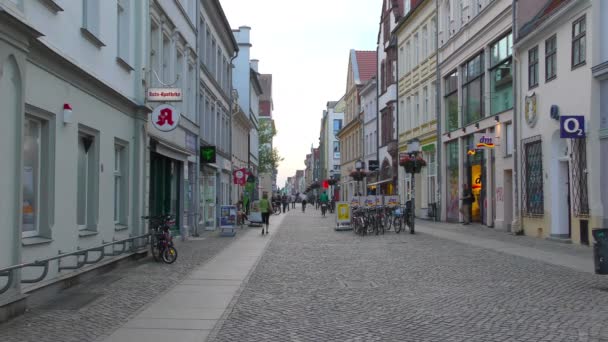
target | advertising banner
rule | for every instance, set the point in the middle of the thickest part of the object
(355, 201)
(343, 216)
(379, 200)
(227, 216)
(255, 215)
(370, 201)
(391, 201)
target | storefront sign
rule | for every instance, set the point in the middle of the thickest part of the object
(572, 127)
(240, 176)
(255, 215)
(370, 201)
(343, 216)
(484, 140)
(228, 220)
(164, 95)
(355, 201)
(165, 118)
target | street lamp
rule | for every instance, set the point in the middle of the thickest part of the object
(413, 148)
(331, 177)
(358, 166)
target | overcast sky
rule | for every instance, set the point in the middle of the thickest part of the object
(305, 46)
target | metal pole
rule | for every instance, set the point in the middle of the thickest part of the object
(413, 200)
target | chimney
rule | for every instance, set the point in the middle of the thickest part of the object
(254, 64)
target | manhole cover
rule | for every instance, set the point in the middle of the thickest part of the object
(70, 301)
(357, 284)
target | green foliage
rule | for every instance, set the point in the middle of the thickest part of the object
(268, 156)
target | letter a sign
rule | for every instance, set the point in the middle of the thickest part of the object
(165, 118)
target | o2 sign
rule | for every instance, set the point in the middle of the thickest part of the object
(572, 127)
(165, 118)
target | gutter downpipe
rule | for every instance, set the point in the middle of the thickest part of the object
(516, 226)
(231, 96)
(438, 158)
(378, 84)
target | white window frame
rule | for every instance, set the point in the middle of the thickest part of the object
(123, 31)
(37, 178)
(91, 182)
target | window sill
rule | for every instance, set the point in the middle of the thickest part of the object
(85, 233)
(52, 5)
(119, 227)
(124, 64)
(35, 240)
(574, 67)
(530, 87)
(92, 38)
(550, 79)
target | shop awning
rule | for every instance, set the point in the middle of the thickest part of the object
(169, 150)
(381, 182)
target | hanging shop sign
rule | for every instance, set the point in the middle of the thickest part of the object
(165, 118)
(484, 140)
(240, 176)
(164, 95)
(572, 127)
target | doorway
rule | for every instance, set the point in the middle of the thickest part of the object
(560, 189)
(507, 195)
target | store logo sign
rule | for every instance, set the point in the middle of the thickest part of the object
(484, 140)
(572, 127)
(165, 118)
(164, 95)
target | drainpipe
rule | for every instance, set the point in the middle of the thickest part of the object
(516, 226)
(378, 84)
(234, 56)
(396, 114)
(439, 145)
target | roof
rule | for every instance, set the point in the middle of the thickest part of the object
(266, 83)
(367, 64)
(535, 13)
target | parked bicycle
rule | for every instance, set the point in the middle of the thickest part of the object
(161, 241)
(403, 217)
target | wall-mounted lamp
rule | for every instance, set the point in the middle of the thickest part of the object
(449, 135)
(464, 130)
(68, 118)
(477, 125)
(497, 118)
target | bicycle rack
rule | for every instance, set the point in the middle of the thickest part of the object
(82, 258)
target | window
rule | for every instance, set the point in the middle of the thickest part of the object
(401, 61)
(425, 106)
(431, 170)
(208, 47)
(179, 79)
(90, 21)
(416, 50)
(155, 51)
(416, 110)
(472, 97)
(121, 176)
(579, 42)
(533, 67)
(401, 114)
(433, 35)
(451, 101)
(501, 75)
(87, 180)
(166, 59)
(509, 139)
(408, 57)
(191, 110)
(337, 125)
(408, 114)
(550, 58)
(533, 200)
(425, 43)
(32, 160)
(123, 30)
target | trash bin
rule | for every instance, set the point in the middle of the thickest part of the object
(600, 250)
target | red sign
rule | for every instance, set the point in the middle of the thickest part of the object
(240, 176)
(165, 118)
(325, 184)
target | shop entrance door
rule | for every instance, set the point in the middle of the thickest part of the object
(164, 187)
(208, 198)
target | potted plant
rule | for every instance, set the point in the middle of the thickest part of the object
(358, 175)
(412, 164)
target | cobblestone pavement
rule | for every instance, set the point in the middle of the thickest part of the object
(118, 294)
(316, 284)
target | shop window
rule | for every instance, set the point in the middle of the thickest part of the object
(579, 41)
(509, 139)
(472, 90)
(337, 125)
(121, 184)
(501, 75)
(532, 178)
(451, 101)
(87, 180)
(452, 200)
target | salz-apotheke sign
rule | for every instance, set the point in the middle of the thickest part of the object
(164, 94)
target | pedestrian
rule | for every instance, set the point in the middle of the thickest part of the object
(304, 204)
(323, 199)
(293, 201)
(265, 208)
(284, 202)
(467, 199)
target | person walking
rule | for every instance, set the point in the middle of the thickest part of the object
(323, 199)
(285, 203)
(467, 199)
(293, 201)
(265, 209)
(303, 203)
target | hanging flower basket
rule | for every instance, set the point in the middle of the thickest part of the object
(332, 181)
(412, 164)
(358, 175)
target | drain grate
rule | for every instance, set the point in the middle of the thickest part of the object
(70, 301)
(357, 284)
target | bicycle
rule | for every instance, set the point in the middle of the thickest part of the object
(403, 216)
(161, 241)
(276, 208)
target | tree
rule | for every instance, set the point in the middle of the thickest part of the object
(268, 156)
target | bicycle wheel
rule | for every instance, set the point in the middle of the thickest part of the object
(154, 248)
(169, 255)
(397, 224)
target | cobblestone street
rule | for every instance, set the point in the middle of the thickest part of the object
(316, 284)
(116, 295)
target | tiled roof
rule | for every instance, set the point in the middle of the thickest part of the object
(368, 64)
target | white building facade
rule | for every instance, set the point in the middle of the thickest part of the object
(217, 49)
(73, 142)
(476, 76)
(369, 108)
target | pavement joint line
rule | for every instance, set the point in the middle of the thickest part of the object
(223, 318)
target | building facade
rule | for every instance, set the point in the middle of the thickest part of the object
(386, 69)
(416, 38)
(74, 138)
(268, 179)
(361, 67)
(556, 47)
(369, 110)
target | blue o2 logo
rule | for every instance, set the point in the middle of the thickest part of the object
(572, 127)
